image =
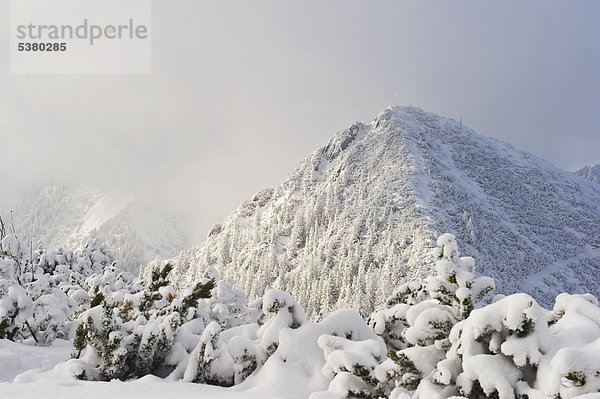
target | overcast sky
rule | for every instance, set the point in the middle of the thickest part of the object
(241, 91)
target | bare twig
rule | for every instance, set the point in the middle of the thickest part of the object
(12, 224)
(31, 331)
(2, 229)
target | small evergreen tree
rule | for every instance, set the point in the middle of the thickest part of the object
(352, 366)
(211, 362)
(247, 356)
(80, 341)
(152, 293)
(281, 311)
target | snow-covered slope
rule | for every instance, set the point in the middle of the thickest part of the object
(590, 172)
(63, 215)
(361, 214)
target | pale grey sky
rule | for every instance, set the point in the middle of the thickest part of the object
(241, 91)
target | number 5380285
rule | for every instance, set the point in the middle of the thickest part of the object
(42, 46)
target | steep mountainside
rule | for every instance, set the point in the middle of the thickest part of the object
(61, 215)
(361, 214)
(590, 172)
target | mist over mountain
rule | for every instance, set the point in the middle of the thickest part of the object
(361, 214)
(590, 172)
(62, 215)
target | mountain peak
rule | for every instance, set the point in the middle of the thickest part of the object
(403, 111)
(361, 214)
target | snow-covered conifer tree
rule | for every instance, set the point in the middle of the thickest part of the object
(351, 366)
(282, 311)
(210, 362)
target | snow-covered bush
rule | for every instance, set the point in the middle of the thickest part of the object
(247, 355)
(131, 335)
(415, 324)
(281, 311)
(421, 313)
(210, 362)
(16, 310)
(227, 304)
(454, 284)
(164, 332)
(389, 321)
(229, 360)
(512, 348)
(495, 348)
(571, 363)
(351, 366)
(112, 285)
(42, 292)
(515, 348)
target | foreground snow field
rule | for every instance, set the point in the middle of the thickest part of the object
(26, 372)
(18, 358)
(147, 387)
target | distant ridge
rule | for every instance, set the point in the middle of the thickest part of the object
(590, 172)
(67, 216)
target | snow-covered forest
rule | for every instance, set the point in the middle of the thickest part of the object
(444, 336)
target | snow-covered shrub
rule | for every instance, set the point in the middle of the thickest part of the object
(225, 355)
(351, 366)
(52, 309)
(112, 285)
(131, 335)
(571, 363)
(226, 363)
(513, 348)
(281, 311)
(247, 355)
(41, 292)
(421, 313)
(16, 311)
(204, 355)
(389, 321)
(496, 347)
(167, 333)
(210, 362)
(415, 324)
(228, 305)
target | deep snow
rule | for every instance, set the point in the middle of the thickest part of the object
(32, 366)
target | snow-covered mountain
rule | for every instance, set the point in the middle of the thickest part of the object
(590, 172)
(64, 215)
(361, 214)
